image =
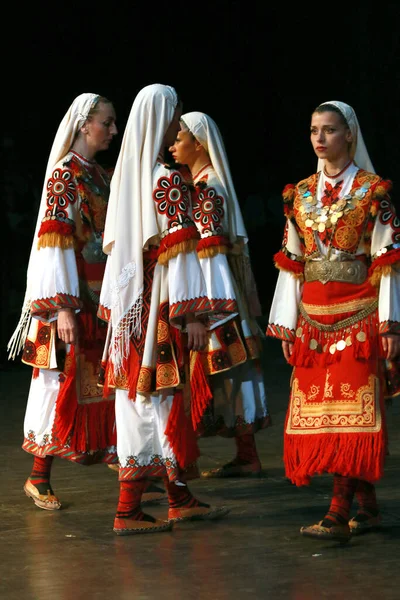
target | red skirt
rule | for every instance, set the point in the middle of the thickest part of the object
(336, 421)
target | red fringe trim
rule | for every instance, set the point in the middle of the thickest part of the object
(360, 455)
(170, 240)
(94, 427)
(56, 227)
(67, 402)
(287, 264)
(303, 356)
(201, 394)
(289, 191)
(133, 370)
(389, 258)
(180, 433)
(214, 240)
(86, 427)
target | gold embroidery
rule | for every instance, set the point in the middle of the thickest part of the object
(346, 390)
(328, 389)
(346, 237)
(335, 416)
(336, 309)
(313, 392)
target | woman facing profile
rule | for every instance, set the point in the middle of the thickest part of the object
(59, 332)
(237, 405)
(336, 309)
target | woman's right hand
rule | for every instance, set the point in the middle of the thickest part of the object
(287, 348)
(67, 327)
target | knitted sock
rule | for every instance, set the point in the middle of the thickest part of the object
(179, 496)
(40, 474)
(343, 493)
(246, 451)
(130, 496)
(367, 503)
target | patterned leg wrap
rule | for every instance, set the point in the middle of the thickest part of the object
(40, 474)
(180, 496)
(343, 494)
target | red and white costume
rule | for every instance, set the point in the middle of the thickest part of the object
(231, 360)
(66, 415)
(337, 293)
(153, 279)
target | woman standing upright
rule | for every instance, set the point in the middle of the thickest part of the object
(336, 309)
(59, 332)
(153, 292)
(231, 360)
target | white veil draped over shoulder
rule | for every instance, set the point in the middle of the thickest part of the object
(73, 120)
(131, 219)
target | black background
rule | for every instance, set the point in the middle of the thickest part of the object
(259, 69)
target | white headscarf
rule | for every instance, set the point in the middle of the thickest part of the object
(358, 150)
(73, 120)
(206, 131)
(131, 219)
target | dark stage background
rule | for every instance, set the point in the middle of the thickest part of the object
(258, 68)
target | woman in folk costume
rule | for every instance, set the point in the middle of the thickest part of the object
(337, 311)
(231, 359)
(59, 332)
(153, 290)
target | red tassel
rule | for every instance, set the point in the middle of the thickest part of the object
(133, 370)
(180, 434)
(181, 235)
(350, 454)
(94, 427)
(287, 264)
(389, 258)
(56, 227)
(35, 373)
(201, 394)
(67, 402)
(214, 240)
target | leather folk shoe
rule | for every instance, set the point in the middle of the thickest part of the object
(363, 523)
(338, 532)
(132, 526)
(197, 513)
(46, 501)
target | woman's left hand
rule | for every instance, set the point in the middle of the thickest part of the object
(391, 346)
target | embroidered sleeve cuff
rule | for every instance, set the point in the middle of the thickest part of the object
(46, 308)
(195, 305)
(389, 327)
(104, 313)
(282, 333)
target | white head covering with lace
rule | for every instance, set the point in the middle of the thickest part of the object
(73, 120)
(206, 132)
(358, 151)
(131, 218)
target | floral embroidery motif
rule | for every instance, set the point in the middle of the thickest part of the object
(208, 211)
(388, 215)
(61, 192)
(172, 198)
